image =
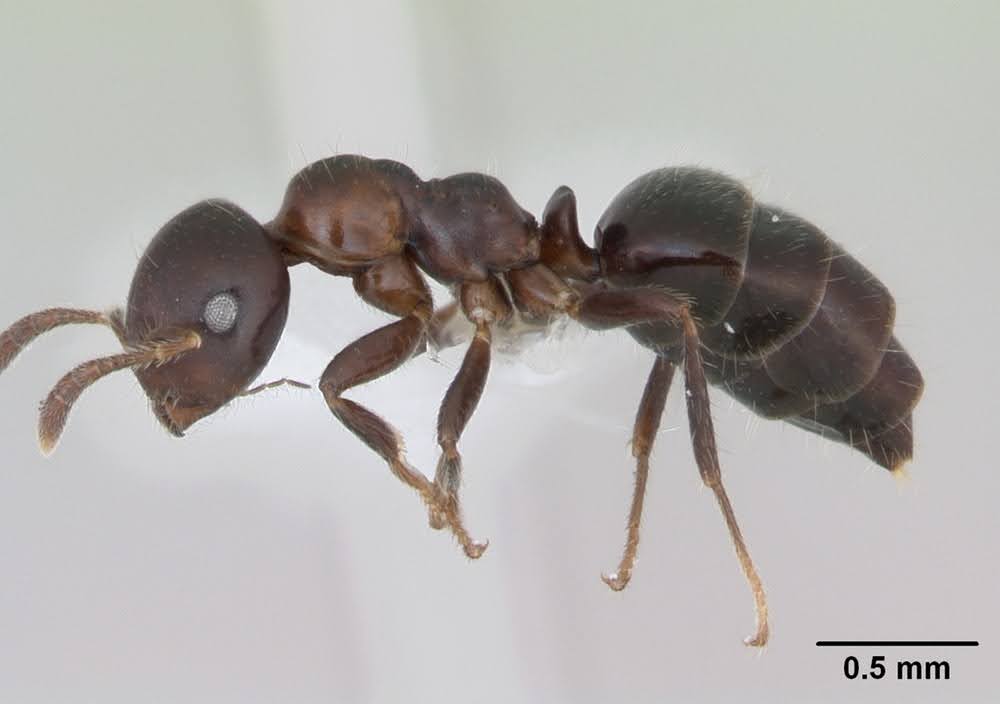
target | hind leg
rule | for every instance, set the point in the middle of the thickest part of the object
(540, 291)
(608, 309)
(647, 422)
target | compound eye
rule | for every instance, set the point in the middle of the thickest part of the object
(220, 312)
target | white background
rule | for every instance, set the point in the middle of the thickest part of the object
(269, 556)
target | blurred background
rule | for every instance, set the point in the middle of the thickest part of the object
(270, 556)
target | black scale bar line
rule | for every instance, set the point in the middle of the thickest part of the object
(893, 643)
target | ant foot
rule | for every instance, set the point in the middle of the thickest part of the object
(617, 581)
(760, 638)
(474, 550)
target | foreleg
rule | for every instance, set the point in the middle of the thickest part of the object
(395, 286)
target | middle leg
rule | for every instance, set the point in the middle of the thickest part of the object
(484, 304)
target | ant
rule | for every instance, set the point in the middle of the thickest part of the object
(744, 295)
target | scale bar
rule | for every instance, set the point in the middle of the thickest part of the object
(892, 643)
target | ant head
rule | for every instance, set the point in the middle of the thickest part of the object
(206, 308)
(212, 270)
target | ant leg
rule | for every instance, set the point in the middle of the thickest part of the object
(273, 385)
(458, 405)
(394, 285)
(607, 309)
(484, 303)
(539, 293)
(647, 422)
(707, 456)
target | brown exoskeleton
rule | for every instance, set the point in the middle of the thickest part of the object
(744, 295)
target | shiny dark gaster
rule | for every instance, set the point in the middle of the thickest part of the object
(802, 329)
(741, 294)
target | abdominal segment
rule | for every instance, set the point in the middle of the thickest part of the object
(876, 420)
(808, 339)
